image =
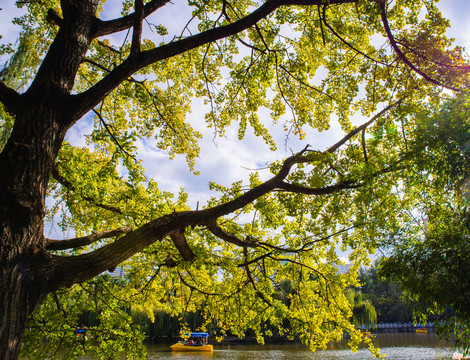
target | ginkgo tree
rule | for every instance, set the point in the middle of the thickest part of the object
(298, 63)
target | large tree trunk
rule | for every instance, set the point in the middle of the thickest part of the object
(20, 293)
(42, 117)
(25, 165)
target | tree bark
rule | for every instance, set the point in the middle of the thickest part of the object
(21, 291)
(42, 118)
(26, 163)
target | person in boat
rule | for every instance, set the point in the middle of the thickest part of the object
(81, 334)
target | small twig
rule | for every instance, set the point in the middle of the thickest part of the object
(194, 287)
(252, 281)
(363, 141)
(321, 24)
(137, 31)
(108, 130)
(70, 187)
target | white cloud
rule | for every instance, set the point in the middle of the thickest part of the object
(457, 12)
(8, 31)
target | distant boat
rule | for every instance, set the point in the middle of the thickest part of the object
(421, 330)
(197, 342)
(365, 332)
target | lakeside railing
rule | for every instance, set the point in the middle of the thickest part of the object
(403, 326)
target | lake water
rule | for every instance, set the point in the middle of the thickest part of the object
(397, 346)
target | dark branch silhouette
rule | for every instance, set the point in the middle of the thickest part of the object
(51, 244)
(403, 57)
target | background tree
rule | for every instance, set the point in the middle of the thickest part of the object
(386, 297)
(430, 257)
(301, 61)
(363, 311)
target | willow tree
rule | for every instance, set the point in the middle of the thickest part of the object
(299, 62)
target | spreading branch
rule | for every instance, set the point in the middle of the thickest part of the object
(173, 225)
(220, 233)
(112, 26)
(53, 17)
(137, 32)
(9, 98)
(51, 244)
(347, 184)
(181, 244)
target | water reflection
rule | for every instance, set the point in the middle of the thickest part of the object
(402, 346)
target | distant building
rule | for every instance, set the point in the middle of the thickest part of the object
(344, 269)
(118, 272)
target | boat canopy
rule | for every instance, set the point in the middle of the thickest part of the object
(198, 334)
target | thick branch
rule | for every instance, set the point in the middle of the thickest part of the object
(9, 98)
(181, 244)
(95, 94)
(137, 34)
(53, 17)
(116, 25)
(67, 270)
(219, 232)
(173, 225)
(84, 240)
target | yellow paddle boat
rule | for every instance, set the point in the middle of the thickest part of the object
(197, 342)
(421, 330)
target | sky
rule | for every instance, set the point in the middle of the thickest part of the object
(223, 160)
